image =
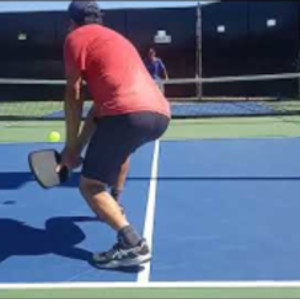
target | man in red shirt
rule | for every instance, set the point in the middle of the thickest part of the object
(128, 111)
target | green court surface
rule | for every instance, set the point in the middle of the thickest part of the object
(156, 293)
(209, 128)
(27, 130)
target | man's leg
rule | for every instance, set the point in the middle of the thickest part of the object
(118, 187)
(104, 158)
(131, 249)
(102, 203)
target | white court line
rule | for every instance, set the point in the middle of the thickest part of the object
(162, 285)
(144, 275)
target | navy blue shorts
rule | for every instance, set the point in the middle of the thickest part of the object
(115, 138)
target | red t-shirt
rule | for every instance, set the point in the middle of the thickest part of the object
(115, 74)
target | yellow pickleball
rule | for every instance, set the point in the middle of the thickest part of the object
(54, 136)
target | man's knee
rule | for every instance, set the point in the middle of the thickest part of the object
(90, 188)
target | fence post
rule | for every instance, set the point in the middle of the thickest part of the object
(199, 50)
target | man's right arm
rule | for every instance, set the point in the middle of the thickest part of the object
(87, 130)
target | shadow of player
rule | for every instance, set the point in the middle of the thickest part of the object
(61, 236)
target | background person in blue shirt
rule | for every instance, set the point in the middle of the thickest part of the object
(155, 66)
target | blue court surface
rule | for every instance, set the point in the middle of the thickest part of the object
(225, 210)
(226, 108)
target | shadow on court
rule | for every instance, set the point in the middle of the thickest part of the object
(15, 180)
(61, 236)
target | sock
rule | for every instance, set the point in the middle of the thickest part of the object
(128, 237)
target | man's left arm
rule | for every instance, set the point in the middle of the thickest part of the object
(163, 70)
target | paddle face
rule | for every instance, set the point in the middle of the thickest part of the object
(43, 165)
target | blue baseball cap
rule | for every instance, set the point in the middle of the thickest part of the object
(80, 10)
